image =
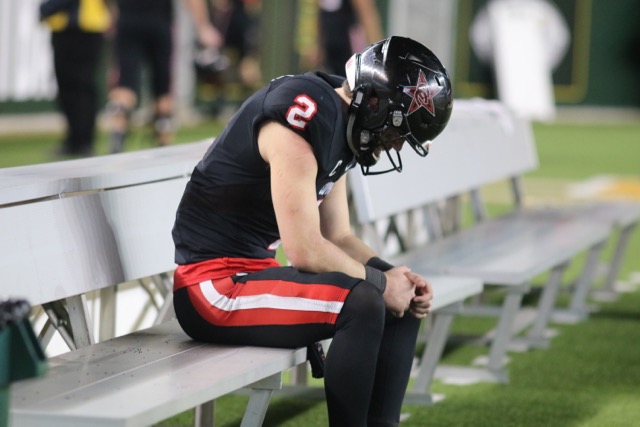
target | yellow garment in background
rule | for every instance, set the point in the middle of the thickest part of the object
(92, 16)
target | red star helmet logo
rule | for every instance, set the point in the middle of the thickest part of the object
(422, 95)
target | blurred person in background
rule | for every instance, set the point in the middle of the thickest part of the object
(144, 35)
(229, 74)
(346, 26)
(77, 38)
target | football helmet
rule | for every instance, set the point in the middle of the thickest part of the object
(401, 92)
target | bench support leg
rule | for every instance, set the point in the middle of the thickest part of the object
(108, 311)
(56, 322)
(259, 400)
(205, 414)
(609, 292)
(578, 310)
(504, 331)
(165, 313)
(80, 321)
(164, 283)
(436, 342)
(579, 299)
(47, 332)
(300, 374)
(537, 336)
(494, 370)
(71, 318)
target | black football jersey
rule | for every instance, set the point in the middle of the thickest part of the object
(226, 209)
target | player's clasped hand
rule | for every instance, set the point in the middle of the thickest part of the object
(421, 303)
(400, 290)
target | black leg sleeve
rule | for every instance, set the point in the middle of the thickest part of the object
(392, 371)
(351, 359)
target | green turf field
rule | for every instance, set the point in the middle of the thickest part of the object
(29, 148)
(590, 375)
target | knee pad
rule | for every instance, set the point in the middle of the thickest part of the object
(163, 124)
(118, 109)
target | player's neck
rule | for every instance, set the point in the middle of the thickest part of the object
(340, 91)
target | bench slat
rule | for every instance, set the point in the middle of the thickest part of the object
(476, 148)
(508, 250)
(141, 378)
(449, 290)
(22, 183)
(69, 246)
(622, 214)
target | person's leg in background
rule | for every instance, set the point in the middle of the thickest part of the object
(123, 96)
(160, 51)
(119, 109)
(76, 59)
(163, 121)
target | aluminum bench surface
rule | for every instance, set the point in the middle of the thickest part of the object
(141, 378)
(70, 246)
(448, 290)
(18, 184)
(510, 249)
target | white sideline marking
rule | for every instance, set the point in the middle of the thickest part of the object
(590, 187)
(630, 285)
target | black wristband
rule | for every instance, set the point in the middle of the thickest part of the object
(376, 278)
(379, 264)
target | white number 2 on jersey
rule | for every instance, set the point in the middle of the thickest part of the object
(301, 112)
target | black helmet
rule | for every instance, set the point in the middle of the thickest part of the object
(400, 91)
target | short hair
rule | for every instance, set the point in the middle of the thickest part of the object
(347, 89)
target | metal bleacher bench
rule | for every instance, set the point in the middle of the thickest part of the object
(77, 227)
(403, 214)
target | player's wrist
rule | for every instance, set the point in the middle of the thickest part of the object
(379, 264)
(376, 277)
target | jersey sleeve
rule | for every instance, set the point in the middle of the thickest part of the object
(308, 109)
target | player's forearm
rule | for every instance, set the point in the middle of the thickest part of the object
(317, 254)
(198, 11)
(321, 255)
(355, 248)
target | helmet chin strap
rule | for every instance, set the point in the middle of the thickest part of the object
(364, 156)
(350, 123)
(353, 113)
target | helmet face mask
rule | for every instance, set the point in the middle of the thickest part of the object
(400, 88)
